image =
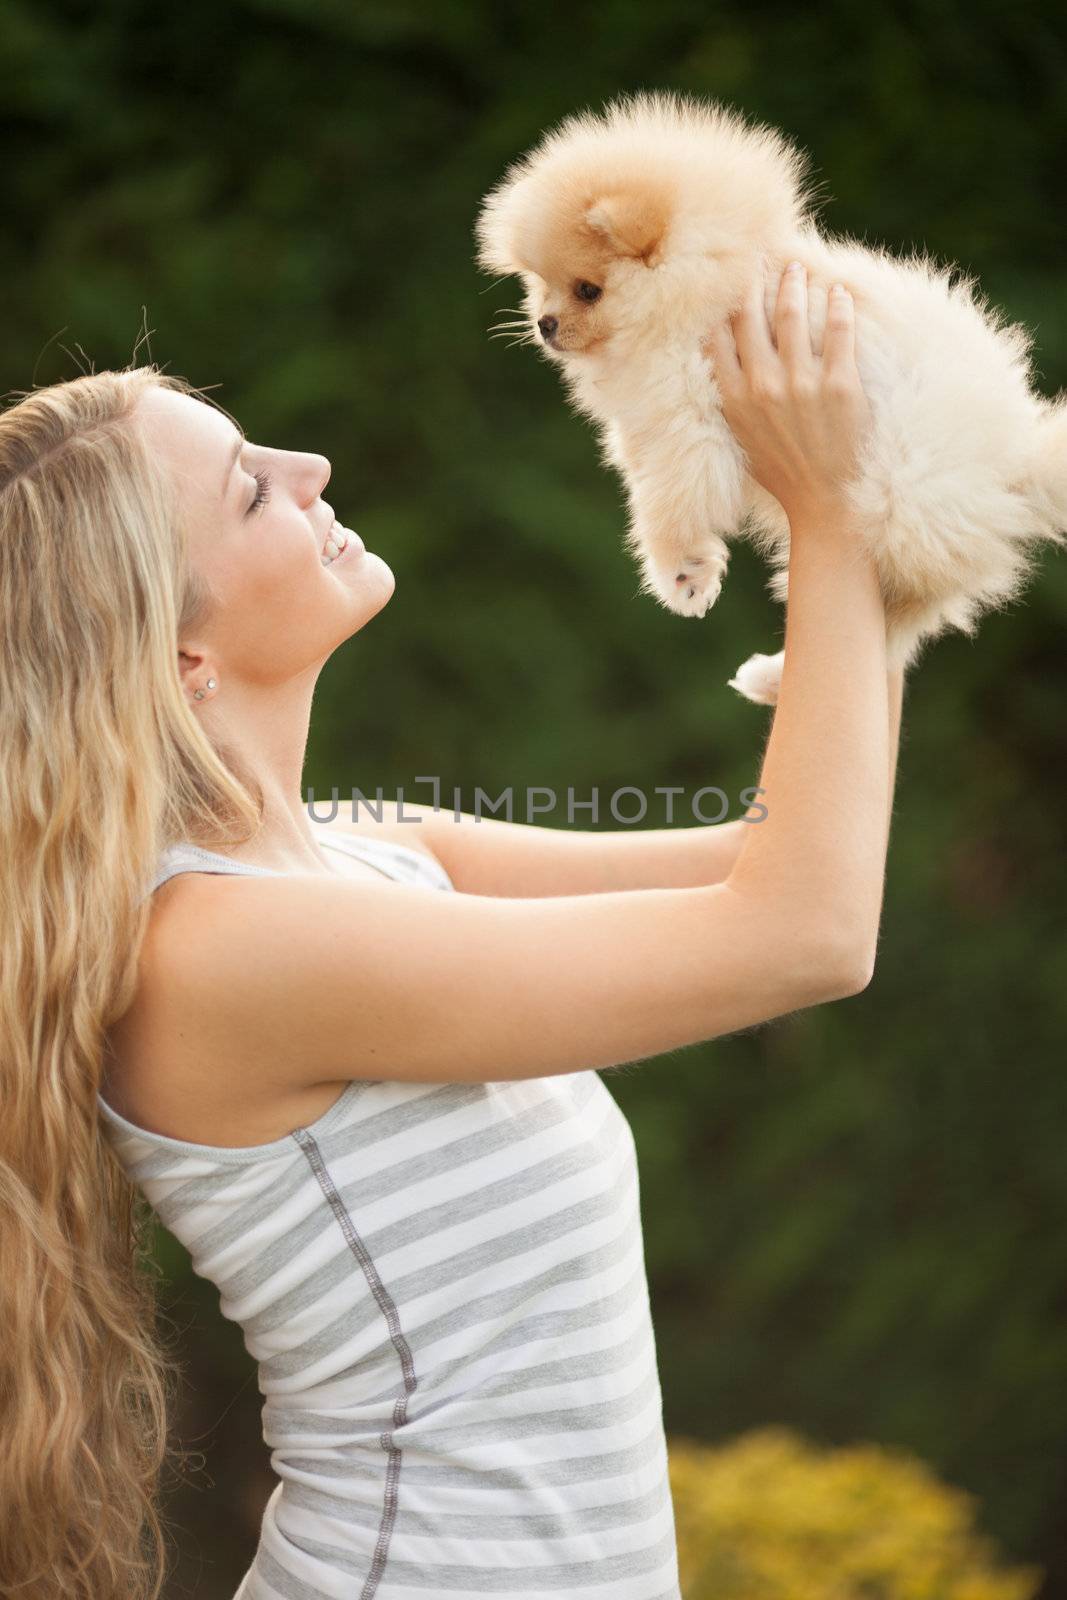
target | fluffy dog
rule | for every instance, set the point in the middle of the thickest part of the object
(635, 231)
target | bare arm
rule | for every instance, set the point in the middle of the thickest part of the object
(306, 979)
(826, 769)
(825, 774)
(896, 708)
(490, 856)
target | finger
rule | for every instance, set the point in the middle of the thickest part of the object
(751, 328)
(839, 340)
(791, 320)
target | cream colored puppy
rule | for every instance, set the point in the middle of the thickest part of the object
(636, 231)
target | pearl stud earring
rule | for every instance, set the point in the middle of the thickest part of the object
(198, 694)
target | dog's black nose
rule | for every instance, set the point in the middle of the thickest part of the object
(548, 326)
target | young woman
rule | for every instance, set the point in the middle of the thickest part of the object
(354, 1068)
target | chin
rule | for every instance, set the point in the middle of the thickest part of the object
(669, 206)
(384, 579)
(369, 588)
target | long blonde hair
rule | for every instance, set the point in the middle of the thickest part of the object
(102, 763)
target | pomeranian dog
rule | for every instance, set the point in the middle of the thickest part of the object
(635, 231)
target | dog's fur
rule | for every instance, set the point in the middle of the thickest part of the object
(670, 206)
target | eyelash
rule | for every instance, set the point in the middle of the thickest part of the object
(263, 480)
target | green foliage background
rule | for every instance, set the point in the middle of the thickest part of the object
(854, 1217)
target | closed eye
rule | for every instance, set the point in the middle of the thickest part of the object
(262, 495)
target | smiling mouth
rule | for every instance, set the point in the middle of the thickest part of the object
(336, 543)
(345, 541)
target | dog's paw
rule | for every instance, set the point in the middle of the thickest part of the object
(759, 679)
(689, 587)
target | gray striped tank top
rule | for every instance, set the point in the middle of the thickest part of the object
(443, 1286)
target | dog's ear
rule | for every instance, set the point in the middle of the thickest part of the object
(497, 231)
(633, 222)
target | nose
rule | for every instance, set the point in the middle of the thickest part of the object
(548, 326)
(317, 476)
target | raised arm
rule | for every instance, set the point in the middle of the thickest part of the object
(826, 769)
(310, 979)
(488, 855)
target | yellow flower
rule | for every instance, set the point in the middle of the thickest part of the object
(771, 1517)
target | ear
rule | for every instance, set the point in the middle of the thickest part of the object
(497, 252)
(634, 222)
(500, 263)
(497, 232)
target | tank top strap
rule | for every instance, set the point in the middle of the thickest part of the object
(185, 857)
(401, 862)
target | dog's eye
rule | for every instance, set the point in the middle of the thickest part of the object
(587, 291)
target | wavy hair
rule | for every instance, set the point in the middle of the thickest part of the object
(102, 764)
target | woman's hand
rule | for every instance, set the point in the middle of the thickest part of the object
(801, 421)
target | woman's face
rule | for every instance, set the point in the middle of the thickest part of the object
(256, 526)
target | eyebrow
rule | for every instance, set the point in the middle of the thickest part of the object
(234, 453)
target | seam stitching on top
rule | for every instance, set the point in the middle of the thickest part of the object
(387, 1306)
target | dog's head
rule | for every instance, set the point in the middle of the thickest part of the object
(581, 253)
(612, 217)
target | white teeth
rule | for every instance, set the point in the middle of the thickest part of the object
(336, 544)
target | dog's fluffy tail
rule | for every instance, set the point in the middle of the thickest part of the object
(1047, 478)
